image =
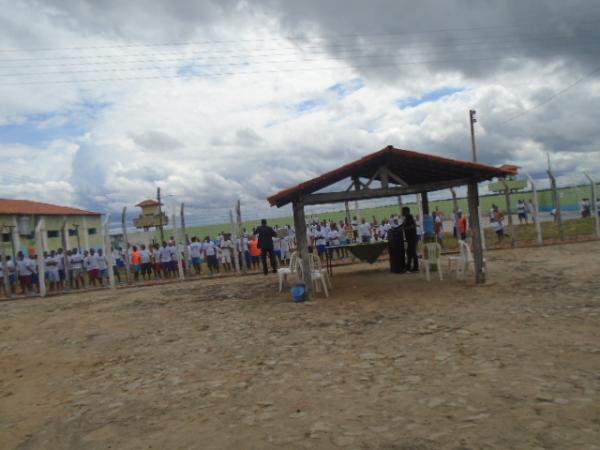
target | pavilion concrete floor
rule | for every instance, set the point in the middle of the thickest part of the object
(388, 361)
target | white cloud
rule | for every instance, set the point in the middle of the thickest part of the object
(208, 140)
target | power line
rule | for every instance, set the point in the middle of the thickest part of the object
(531, 37)
(295, 38)
(253, 72)
(360, 52)
(549, 99)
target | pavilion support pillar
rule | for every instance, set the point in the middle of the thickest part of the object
(473, 198)
(302, 244)
(425, 203)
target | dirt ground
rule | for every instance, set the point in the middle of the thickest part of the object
(388, 361)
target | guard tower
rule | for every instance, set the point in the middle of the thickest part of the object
(151, 215)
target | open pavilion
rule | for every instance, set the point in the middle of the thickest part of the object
(391, 172)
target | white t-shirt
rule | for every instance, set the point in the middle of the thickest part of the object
(76, 261)
(285, 244)
(52, 263)
(209, 248)
(320, 237)
(91, 262)
(164, 254)
(102, 262)
(195, 249)
(61, 261)
(25, 267)
(227, 246)
(144, 256)
(365, 229)
(276, 243)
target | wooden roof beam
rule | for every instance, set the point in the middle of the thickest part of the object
(338, 197)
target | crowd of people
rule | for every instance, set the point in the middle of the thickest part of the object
(257, 250)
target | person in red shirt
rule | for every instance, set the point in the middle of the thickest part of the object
(254, 252)
(136, 262)
(462, 226)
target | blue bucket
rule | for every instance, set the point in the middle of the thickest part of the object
(299, 292)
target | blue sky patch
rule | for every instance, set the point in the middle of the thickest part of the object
(308, 105)
(44, 127)
(431, 96)
(344, 89)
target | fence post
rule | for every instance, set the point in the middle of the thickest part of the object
(39, 249)
(536, 212)
(186, 239)
(108, 254)
(126, 240)
(238, 213)
(455, 214)
(178, 253)
(510, 221)
(556, 198)
(234, 240)
(4, 263)
(594, 204)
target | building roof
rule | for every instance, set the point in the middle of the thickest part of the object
(149, 202)
(411, 167)
(11, 206)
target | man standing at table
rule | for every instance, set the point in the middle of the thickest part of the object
(265, 243)
(410, 233)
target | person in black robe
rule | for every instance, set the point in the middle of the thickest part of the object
(410, 233)
(396, 249)
(265, 243)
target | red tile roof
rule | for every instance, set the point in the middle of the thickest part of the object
(149, 202)
(413, 167)
(10, 206)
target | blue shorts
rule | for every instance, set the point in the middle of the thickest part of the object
(12, 278)
(120, 263)
(137, 268)
(366, 239)
(321, 249)
(196, 260)
(61, 274)
(277, 253)
(35, 279)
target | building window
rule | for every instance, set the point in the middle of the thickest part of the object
(72, 232)
(91, 231)
(53, 233)
(6, 237)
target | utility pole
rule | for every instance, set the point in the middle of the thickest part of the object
(472, 121)
(76, 226)
(160, 221)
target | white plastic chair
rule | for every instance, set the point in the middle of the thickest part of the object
(318, 274)
(461, 260)
(283, 272)
(464, 260)
(432, 256)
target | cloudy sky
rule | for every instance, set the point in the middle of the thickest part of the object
(104, 100)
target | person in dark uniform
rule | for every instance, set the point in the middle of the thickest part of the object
(409, 226)
(396, 248)
(265, 243)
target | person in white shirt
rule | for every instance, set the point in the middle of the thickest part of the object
(25, 272)
(277, 247)
(52, 263)
(320, 240)
(164, 256)
(76, 261)
(92, 266)
(284, 244)
(210, 255)
(173, 268)
(117, 262)
(196, 255)
(146, 262)
(227, 251)
(364, 230)
(103, 267)
(244, 251)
